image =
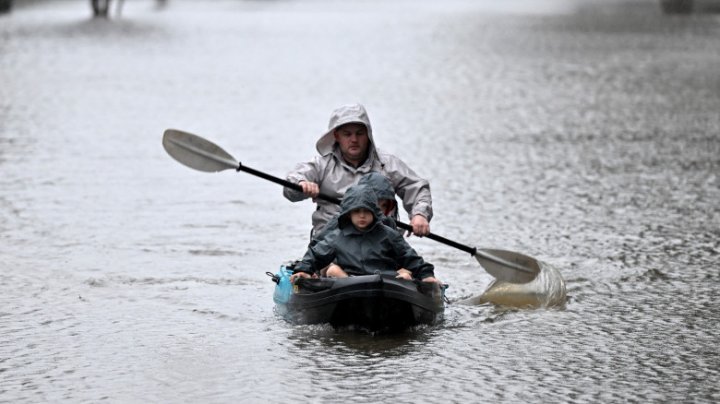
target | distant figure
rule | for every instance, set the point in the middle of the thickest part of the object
(118, 9)
(100, 8)
(676, 6)
(5, 6)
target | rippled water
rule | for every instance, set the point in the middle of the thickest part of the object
(584, 135)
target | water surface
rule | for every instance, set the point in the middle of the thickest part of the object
(584, 135)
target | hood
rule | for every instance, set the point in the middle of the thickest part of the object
(354, 113)
(358, 196)
(379, 183)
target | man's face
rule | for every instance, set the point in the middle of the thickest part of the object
(353, 141)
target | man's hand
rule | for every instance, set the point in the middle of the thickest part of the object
(420, 225)
(310, 189)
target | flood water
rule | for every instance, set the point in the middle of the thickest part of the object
(584, 134)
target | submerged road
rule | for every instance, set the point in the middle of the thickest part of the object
(582, 133)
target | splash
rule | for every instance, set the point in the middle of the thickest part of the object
(546, 290)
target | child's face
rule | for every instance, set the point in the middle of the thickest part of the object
(361, 218)
(386, 206)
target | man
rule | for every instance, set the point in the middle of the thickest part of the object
(347, 152)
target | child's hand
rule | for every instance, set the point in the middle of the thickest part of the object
(432, 279)
(403, 273)
(297, 275)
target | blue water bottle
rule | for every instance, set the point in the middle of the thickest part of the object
(284, 288)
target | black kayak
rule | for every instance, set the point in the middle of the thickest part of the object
(370, 302)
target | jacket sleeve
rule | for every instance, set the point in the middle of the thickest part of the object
(317, 256)
(329, 228)
(412, 189)
(308, 171)
(407, 258)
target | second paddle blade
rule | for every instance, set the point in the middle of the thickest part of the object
(530, 266)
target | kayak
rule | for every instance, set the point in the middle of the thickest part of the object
(375, 303)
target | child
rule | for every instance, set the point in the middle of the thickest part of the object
(385, 194)
(386, 202)
(362, 245)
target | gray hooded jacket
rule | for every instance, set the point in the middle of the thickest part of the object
(334, 175)
(378, 249)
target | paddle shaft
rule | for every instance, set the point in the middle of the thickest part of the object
(203, 155)
(471, 250)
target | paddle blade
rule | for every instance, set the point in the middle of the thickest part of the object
(508, 266)
(546, 290)
(196, 152)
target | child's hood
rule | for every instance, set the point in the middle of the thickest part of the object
(379, 183)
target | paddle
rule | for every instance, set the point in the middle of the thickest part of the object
(203, 155)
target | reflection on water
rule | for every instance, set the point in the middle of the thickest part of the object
(349, 341)
(581, 134)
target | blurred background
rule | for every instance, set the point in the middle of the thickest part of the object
(583, 133)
